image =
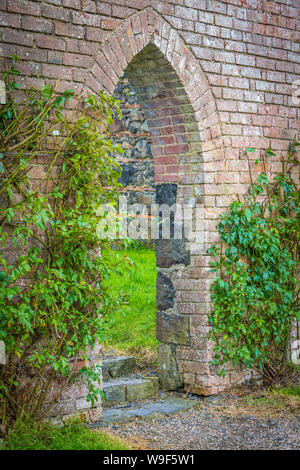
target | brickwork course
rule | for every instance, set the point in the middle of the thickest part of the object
(209, 79)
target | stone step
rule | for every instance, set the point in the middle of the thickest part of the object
(150, 410)
(113, 367)
(129, 389)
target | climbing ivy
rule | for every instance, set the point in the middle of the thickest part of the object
(255, 297)
(52, 301)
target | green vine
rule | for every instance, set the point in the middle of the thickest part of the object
(255, 298)
(56, 168)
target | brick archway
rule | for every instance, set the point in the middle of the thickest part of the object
(130, 38)
(175, 94)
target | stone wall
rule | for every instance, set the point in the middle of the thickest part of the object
(211, 78)
(132, 133)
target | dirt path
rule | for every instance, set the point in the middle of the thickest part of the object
(217, 425)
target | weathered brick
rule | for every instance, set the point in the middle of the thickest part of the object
(55, 71)
(55, 57)
(89, 6)
(50, 42)
(103, 8)
(74, 4)
(119, 11)
(10, 19)
(216, 6)
(198, 4)
(213, 42)
(69, 30)
(37, 24)
(236, 82)
(186, 13)
(109, 23)
(94, 34)
(51, 11)
(222, 20)
(235, 46)
(24, 7)
(227, 57)
(289, 11)
(233, 94)
(87, 19)
(17, 37)
(76, 60)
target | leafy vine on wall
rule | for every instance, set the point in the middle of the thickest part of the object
(255, 299)
(56, 167)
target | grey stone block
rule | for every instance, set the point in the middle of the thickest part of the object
(154, 380)
(173, 328)
(117, 366)
(155, 409)
(114, 392)
(168, 373)
(139, 389)
(119, 391)
(115, 416)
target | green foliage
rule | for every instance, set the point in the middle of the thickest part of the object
(293, 391)
(255, 300)
(131, 327)
(51, 296)
(45, 436)
(130, 244)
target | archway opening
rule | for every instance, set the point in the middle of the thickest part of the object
(161, 166)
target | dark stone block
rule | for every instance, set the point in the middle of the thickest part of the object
(166, 193)
(170, 252)
(172, 328)
(127, 173)
(149, 174)
(165, 292)
(133, 127)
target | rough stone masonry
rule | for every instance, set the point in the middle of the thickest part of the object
(205, 80)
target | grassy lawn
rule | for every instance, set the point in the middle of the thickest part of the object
(132, 324)
(48, 437)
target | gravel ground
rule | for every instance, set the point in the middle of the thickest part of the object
(210, 428)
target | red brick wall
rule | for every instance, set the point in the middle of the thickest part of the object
(247, 50)
(236, 61)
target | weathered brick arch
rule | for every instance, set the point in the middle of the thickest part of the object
(183, 285)
(130, 38)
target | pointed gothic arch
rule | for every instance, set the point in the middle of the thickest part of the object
(180, 171)
(129, 39)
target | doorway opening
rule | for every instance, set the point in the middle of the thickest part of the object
(161, 165)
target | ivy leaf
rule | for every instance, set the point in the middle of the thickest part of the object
(269, 152)
(60, 115)
(248, 214)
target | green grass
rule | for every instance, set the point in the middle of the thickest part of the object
(292, 391)
(45, 436)
(133, 323)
